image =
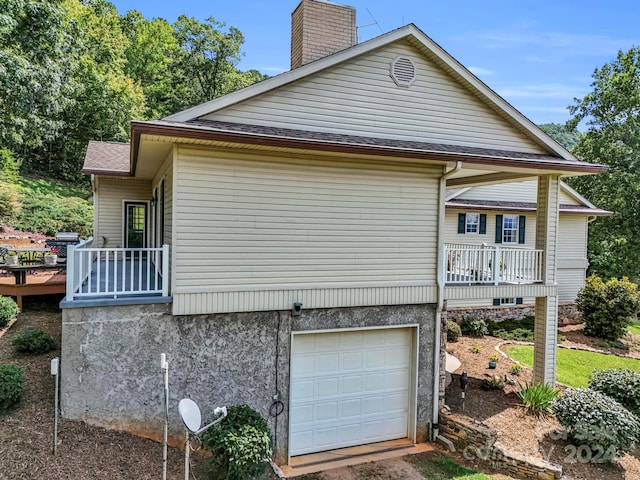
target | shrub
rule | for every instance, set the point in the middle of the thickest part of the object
(240, 445)
(11, 386)
(494, 382)
(537, 398)
(516, 369)
(621, 385)
(598, 421)
(476, 348)
(8, 310)
(518, 334)
(474, 327)
(33, 340)
(606, 308)
(453, 331)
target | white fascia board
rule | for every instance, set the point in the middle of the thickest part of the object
(446, 61)
(577, 196)
(290, 76)
(490, 95)
(457, 193)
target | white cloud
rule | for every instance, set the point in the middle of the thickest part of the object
(543, 91)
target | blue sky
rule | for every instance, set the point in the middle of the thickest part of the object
(539, 55)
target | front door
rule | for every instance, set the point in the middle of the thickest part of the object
(135, 235)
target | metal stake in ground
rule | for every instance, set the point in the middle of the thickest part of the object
(192, 418)
(164, 366)
(55, 362)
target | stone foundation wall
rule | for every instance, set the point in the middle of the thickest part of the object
(111, 362)
(478, 442)
(567, 313)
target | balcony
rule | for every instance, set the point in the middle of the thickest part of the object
(133, 274)
(491, 265)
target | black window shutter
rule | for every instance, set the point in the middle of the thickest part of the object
(483, 223)
(521, 225)
(496, 302)
(462, 222)
(498, 228)
(519, 301)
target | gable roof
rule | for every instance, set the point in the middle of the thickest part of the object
(427, 47)
(584, 206)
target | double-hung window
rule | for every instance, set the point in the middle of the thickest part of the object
(472, 223)
(510, 229)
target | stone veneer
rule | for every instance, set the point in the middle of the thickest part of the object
(478, 442)
(567, 313)
(111, 362)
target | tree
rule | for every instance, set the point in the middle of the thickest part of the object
(151, 54)
(36, 58)
(561, 134)
(612, 114)
(208, 59)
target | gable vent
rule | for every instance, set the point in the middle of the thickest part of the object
(403, 71)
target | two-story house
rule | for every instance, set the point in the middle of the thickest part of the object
(284, 245)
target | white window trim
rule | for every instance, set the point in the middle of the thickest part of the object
(467, 224)
(517, 230)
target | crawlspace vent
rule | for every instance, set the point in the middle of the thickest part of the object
(403, 71)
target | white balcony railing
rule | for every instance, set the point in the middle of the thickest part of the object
(116, 272)
(483, 264)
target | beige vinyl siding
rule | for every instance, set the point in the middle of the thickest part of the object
(110, 194)
(572, 256)
(250, 231)
(526, 191)
(359, 97)
(451, 234)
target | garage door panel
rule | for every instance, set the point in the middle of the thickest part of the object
(362, 398)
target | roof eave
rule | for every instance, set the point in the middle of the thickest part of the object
(192, 131)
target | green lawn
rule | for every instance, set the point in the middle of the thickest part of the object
(441, 467)
(574, 366)
(634, 327)
(39, 187)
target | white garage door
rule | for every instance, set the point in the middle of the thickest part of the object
(349, 388)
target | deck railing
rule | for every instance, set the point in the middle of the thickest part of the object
(116, 272)
(483, 264)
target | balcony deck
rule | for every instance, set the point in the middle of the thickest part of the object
(116, 275)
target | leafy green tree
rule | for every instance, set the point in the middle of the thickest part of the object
(561, 134)
(36, 58)
(151, 55)
(612, 114)
(206, 66)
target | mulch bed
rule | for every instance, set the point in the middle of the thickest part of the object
(84, 451)
(523, 433)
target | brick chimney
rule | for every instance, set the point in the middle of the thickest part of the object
(320, 28)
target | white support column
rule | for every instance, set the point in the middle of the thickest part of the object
(546, 317)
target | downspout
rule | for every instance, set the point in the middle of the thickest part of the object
(435, 427)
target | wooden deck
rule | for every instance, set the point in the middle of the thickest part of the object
(41, 283)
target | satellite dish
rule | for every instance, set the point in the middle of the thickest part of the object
(190, 414)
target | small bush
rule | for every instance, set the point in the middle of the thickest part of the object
(598, 421)
(607, 308)
(11, 386)
(621, 385)
(516, 369)
(240, 445)
(474, 327)
(476, 348)
(495, 382)
(8, 310)
(33, 340)
(453, 331)
(537, 398)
